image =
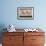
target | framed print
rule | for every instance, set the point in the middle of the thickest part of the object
(25, 13)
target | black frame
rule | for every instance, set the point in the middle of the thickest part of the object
(19, 17)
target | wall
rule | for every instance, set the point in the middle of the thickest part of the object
(9, 13)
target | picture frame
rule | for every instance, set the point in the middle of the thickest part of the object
(25, 13)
